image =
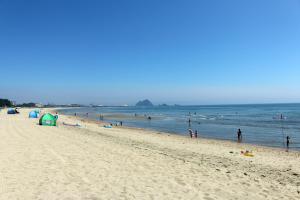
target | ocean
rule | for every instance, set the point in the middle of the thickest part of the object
(262, 124)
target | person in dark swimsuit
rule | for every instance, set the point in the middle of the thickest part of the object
(288, 142)
(239, 135)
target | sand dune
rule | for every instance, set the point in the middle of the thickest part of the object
(92, 162)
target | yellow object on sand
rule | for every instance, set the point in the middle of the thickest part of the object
(248, 154)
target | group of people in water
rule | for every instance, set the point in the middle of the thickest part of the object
(239, 131)
(194, 134)
(239, 135)
(146, 116)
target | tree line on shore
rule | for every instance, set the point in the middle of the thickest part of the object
(9, 103)
(5, 103)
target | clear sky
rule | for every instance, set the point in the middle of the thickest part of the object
(170, 51)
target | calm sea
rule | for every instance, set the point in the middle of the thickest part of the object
(265, 124)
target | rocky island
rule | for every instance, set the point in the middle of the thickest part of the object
(145, 102)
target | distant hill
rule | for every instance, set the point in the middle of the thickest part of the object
(145, 102)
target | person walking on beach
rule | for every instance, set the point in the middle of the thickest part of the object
(121, 123)
(191, 133)
(239, 135)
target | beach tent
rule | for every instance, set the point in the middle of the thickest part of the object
(12, 111)
(37, 111)
(33, 114)
(48, 120)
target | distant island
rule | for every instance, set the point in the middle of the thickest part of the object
(145, 102)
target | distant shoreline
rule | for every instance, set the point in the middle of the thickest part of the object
(147, 130)
(165, 105)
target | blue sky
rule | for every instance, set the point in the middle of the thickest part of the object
(170, 51)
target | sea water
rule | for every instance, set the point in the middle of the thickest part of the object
(265, 124)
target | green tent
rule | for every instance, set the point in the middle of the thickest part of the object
(48, 120)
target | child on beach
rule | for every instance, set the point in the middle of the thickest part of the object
(196, 134)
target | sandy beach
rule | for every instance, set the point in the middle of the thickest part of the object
(93, 162)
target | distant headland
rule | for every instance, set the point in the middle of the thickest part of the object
(145, 102)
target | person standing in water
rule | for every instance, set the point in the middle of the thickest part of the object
(191, 133)
(196, 134)
(288, 142)
(239, 135)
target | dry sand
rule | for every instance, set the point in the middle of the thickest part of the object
(93, 162)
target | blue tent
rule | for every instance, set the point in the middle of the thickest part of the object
(33, 114)
(11, 111)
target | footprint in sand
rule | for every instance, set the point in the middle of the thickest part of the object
(208, 198)
(217, 190)
(180, 182)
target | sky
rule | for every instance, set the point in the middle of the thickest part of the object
(115, 52)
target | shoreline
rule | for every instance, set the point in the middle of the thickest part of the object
(93, 162)
(149, 130)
